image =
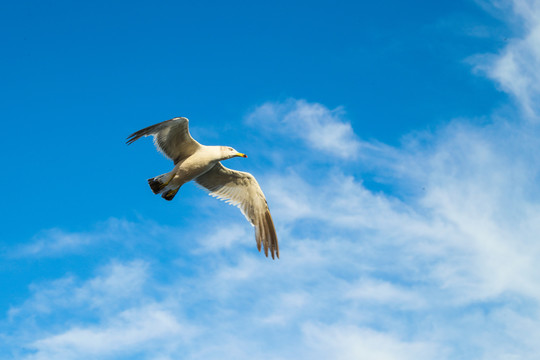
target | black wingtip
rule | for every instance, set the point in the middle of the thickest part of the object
(131, 138)
(135, 136)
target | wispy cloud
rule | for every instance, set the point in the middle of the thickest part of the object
(114, 232)
(515, 67)
(53, 242)
(114, 313)
(225, 238)
(330, 341)
(319, 127)
(112, 284)
(127, 333)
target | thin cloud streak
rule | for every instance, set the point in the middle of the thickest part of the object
(129, 332)
(515, 67)
(57, 242)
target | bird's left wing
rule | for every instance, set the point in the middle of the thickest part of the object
(241, 189)
(171, 137)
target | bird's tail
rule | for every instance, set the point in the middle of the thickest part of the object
(161, 185)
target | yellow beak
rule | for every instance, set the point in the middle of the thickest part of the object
(242, 155)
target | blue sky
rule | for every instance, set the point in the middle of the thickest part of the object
(396, 142)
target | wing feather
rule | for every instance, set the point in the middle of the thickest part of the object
(171, 137)
(242, 190)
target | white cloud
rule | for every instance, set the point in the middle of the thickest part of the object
(384, 292)
(114, 283)
(225, 238)
(472, 209)
(128, 332)
(343, 342)
(321, 128)
(54, 242)
(115, 313)
(114, 232)
(515, 67)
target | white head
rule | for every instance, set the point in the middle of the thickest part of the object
(228, 152)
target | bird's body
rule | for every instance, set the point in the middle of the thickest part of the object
(198, 163)
(193, 161)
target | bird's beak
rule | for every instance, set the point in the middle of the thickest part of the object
(241, 155)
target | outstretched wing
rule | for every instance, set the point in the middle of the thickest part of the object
(171, 137)
(242, 190)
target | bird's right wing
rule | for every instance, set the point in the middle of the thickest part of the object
(171, 137)
(242, 190)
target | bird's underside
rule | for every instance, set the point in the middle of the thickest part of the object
(201, 163)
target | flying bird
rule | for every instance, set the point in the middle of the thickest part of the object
(194, 161)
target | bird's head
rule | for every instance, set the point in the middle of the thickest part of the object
(229, 152)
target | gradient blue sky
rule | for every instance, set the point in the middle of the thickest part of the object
(397, 144)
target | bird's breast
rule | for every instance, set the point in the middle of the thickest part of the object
(193, 167)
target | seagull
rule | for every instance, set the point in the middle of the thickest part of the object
(194, 161)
